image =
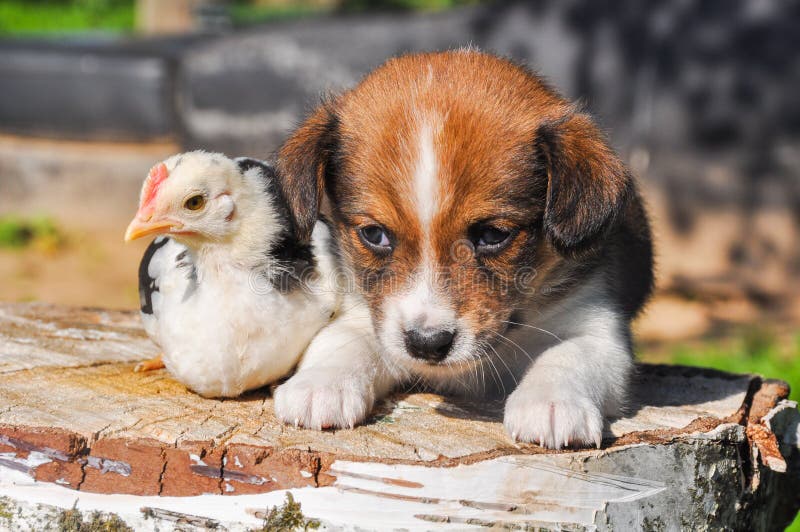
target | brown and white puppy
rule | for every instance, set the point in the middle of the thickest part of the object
(495, 238)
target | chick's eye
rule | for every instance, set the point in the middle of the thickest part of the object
(488, 238)
(375, 237)
(195, 203)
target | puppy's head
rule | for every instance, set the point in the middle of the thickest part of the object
(455, 179)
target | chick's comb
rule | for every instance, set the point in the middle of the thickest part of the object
(157, 175)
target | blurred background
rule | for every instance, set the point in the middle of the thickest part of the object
(701, 98)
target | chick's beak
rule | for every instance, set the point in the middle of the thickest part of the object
(139, 228)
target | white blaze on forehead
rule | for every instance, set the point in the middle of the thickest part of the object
(426, 179)
(424, 304)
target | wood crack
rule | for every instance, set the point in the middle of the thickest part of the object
(163, 471)
(83, 476)
(96, 435)
(224, 437)
(222, 463)
(317, 461)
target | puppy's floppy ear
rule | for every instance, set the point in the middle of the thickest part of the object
(587, 184)
(302, 165)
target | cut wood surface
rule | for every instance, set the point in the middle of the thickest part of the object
(73, 413)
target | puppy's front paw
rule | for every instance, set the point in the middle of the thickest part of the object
(323, 398)
(553, 419)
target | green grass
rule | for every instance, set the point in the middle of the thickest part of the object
(31, 17)
(41, 17)
(753, 350)
(18, 233)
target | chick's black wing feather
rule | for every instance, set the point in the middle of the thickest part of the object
(296, 258)
(147, 284)
(269, 180)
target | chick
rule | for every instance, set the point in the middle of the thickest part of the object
(226, 291)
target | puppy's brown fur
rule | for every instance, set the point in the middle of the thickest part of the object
(505, 150)
(510, 150)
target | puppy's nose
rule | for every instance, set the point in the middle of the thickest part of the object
(428, 343)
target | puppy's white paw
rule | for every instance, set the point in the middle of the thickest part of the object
(324, 398)
(553, 419)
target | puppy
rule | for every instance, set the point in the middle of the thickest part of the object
(495, 238)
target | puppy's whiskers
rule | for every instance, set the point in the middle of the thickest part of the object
(511, 342)
(554, 335)
(498, 379)
(510, 372)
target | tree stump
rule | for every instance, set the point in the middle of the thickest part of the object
(699, 449)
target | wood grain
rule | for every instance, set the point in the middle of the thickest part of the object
(73, 411)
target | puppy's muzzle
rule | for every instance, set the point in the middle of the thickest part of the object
(428, 343)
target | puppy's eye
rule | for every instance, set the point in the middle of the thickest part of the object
(195, 203)
(490, 239)
(375, 238)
